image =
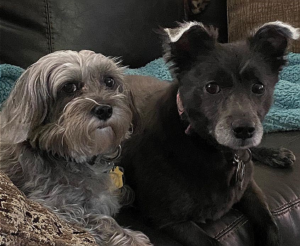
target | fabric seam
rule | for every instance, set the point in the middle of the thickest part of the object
(242, 219)
(231, 226)
(285, 207)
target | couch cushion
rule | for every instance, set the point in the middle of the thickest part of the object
(244, 15)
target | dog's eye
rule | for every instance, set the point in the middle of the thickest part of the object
(109, 82)
(212, 88)
(258, 88)
(71, 88)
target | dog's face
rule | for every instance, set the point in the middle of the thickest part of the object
(72, 104)
(226, 89)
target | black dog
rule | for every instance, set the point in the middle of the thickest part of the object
(192, 162)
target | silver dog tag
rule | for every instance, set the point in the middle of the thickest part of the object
(240, 171)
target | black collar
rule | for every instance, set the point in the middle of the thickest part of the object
(107, 159)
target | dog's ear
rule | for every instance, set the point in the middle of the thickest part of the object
(272, 40)
(184, 44)
(25, 107)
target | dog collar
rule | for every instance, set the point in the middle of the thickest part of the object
(181, 111)
(240, 168)
(108, 160)
(112, 157)
(115, 172)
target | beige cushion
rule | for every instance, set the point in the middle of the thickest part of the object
(245, 15)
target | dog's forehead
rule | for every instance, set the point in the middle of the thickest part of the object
(227, 62)
(77, 60)
(101, 66)
(77, 66)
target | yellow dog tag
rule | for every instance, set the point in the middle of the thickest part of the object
(117, 176)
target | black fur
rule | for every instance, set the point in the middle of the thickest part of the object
(280, 158)
(182, 180)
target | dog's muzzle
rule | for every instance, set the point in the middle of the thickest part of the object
(239, 133)
(243, 129)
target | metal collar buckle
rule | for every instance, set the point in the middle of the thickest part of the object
(107, 160)
(114, 156)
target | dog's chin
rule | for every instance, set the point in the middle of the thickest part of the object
(105, 140)
(241, 143)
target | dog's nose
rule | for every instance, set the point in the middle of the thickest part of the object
(243, 129)
(103, 112)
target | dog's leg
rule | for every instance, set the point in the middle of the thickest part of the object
(255, 208)
(190, 234)
(280, 157)
(108, 232)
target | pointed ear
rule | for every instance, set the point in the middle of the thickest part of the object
(184, 44)
(272, 40)
(25, 107)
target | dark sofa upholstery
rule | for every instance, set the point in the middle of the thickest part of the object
(31, 29)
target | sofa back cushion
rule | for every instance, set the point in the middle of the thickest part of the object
(30, 29)
(245, 15)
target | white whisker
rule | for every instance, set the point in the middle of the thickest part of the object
(64, 110)
(90, 99)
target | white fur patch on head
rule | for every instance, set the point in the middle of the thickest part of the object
(176, 33)
(295, 32)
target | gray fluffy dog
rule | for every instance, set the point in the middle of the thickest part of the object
(60, 129)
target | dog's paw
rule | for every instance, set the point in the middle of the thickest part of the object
(132, 238)
(284, 158)
(281, 157)
(196, 6)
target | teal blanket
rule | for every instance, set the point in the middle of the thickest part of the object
(284, 115)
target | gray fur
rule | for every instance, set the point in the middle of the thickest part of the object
(47, 139)
(222, 130)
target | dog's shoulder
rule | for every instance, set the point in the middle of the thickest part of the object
(147, 92)
(145, 88)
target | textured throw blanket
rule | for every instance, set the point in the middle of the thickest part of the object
(25, 222)
(283, 116)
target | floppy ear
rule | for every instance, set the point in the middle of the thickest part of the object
(184, 44)
(25, 107)
(272, 40)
